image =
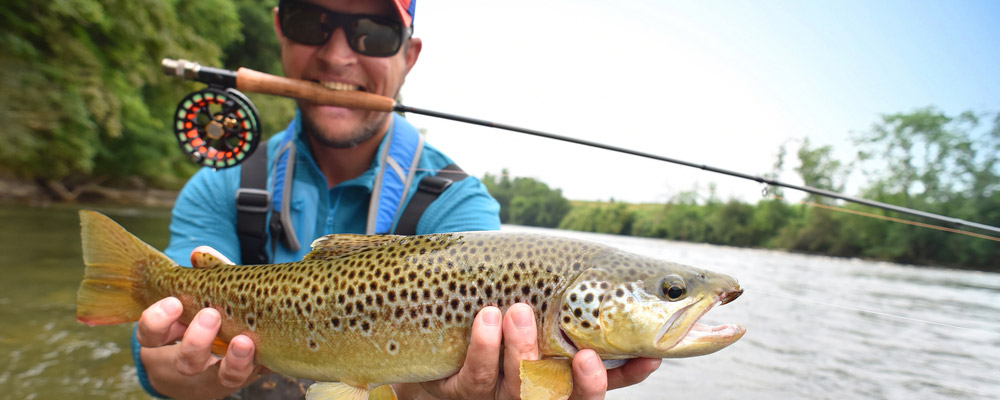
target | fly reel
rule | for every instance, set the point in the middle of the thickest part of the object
(216, 127)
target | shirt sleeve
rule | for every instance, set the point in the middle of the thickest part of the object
(205, 214)
(465, 206)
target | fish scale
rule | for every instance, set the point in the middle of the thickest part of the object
(371, 310)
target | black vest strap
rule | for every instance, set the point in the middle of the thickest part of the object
(427, 191)
(253, 202)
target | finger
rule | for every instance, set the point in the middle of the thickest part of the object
(237, 367)
(195, 352)
(478, 376)
(634, 371)
(158, 323)
(590, 379)
(520, 342)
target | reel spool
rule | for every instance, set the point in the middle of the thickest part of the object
(216, 127)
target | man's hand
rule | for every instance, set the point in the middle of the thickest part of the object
(481, 377)
(188, 369)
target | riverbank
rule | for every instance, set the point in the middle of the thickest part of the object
(39, 193)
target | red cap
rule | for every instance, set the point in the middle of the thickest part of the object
(406, 8)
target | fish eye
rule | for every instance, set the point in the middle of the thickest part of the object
(673, 290)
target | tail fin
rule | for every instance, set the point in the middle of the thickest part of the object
(113, 283)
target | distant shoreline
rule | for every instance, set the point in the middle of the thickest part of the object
(39, 193)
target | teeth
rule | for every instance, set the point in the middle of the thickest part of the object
(339, 86)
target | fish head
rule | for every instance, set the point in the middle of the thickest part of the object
(626, 306)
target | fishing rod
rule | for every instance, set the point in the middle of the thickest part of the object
(226, 137)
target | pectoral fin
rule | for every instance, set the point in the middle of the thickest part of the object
(343, 391)
(550, 379)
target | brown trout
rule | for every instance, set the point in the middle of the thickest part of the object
(368, 311)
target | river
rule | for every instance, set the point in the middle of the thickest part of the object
(817, 327)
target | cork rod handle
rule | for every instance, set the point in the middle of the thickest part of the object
(249, 80)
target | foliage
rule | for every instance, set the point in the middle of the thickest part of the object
(526, 201)
(82, 96)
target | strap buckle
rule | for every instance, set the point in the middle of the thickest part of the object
(253, 200)
(434, 184)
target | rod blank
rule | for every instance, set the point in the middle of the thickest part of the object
(253, 81)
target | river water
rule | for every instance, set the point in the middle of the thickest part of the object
(817, 327)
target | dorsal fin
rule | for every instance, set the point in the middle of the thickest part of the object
(330, 246)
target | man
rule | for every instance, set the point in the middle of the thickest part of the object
(343, 45)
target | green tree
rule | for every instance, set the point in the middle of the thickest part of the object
(526, 201)
(83, 96)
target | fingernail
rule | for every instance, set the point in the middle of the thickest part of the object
(491, 316)
(170, 306)
(240, 350)
(208, 319)
(592, 365)
(522, 317)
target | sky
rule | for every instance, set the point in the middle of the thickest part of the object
(722, 83)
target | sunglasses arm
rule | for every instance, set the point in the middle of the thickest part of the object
(248, 80)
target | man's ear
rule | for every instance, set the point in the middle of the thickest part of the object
(277, 25)
(412, 53)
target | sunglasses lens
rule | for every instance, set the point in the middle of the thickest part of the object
(304, 23)
(375, 38)
(313, 25)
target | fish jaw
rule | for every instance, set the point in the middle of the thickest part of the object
(696, 339)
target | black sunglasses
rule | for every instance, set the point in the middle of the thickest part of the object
(368, 35)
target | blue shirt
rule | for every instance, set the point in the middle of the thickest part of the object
(205, 211)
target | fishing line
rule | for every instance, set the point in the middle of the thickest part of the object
(892, 219)
(879, 313)
(253, 81)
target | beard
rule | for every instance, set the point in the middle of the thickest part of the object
(366, 130)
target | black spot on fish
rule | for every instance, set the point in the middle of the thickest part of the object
(595, 313)
(365, 325)
(585, 324)
(619, 292)
(566, 319)
(588, 298)
(577, 313)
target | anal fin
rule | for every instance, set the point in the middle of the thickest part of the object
(549, 379)
(339, 391)
(384, 392)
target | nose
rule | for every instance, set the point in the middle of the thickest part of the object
(336, 51)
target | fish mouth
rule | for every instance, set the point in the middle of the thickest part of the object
(566, 343)
(697, 338)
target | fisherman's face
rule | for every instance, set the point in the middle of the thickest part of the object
(335, 65)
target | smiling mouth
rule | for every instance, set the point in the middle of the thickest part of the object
(340, 86)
